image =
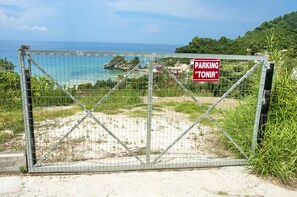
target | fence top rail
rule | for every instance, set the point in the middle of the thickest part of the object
(145, 54)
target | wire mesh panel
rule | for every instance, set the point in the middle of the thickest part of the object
(91, 111)
(191, 123)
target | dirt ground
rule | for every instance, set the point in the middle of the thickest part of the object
(226, 181)
(90, 141)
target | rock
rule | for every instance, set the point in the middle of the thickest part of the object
(120, 63)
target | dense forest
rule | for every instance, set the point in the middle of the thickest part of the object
(283, 28)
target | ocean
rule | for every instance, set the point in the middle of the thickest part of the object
(77, 72)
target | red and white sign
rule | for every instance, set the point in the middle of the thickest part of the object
(206, 70)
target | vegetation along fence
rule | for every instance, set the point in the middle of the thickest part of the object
(100, 111)
(11, 118)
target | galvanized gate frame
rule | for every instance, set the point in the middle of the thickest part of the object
(35, 166)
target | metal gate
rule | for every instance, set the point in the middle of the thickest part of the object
(100, 111)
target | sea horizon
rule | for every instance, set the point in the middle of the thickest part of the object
(9, 45)
(95, 71)
(9, 48)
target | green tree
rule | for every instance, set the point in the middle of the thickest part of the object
(254, 41)
(135, 61)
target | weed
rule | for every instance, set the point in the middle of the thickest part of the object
(195, 137)
(100, 141)
(126, 142)
(137, 113)
(222, 193)
(142, 151)
(23, 169)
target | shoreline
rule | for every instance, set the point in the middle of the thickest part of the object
(73, 83)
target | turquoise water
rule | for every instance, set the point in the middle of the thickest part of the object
(77, 69)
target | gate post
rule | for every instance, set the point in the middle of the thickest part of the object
(150, 108)
(266, 102)
(263, 104)
(27, 110)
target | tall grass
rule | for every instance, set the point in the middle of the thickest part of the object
(277, 155)
(238, 123)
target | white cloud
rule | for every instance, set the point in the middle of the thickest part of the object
(178, 8)
(34, 28)
(6, 20)
(39, 28)
(23, 15)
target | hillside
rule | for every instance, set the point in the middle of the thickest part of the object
(284, 29)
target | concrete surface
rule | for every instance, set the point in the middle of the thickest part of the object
(226, 181)
(11, 162)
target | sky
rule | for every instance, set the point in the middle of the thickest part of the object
(135, 21)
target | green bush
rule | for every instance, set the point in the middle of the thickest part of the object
(10, 91)
(45, 93)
